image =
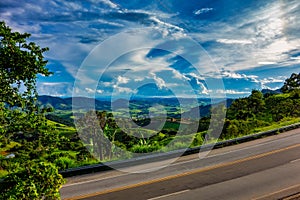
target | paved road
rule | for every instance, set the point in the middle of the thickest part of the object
(263, 169)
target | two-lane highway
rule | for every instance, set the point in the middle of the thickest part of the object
(263, 169)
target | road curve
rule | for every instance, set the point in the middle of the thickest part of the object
(267, 168)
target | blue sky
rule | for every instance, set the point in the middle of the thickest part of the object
(161, 47)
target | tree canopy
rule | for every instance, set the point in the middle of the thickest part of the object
(20, 63)
(291, 83)
(30, 175)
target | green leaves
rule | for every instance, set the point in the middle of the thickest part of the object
(37, 180)
(20, 62)
(22, 121)
(291, 83)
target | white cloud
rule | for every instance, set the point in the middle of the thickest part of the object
(138, 79)
(89, 90)
(111, 4)
(268, 34)
(100, 91)
(267, 63)
(52, 83)
(295, 58)
(264, 35)
(93, 91)
(159, 82)
(204, 89)
(106, 2)
(73, 5)
(232, 92)
(178, 75)
(279, 46)
(111, 23)
(168, 29)
(122, 80)
(104, 84)
(198, 77)
(202, 10)
(120, 90)
(55, 88)
(272, 80)
(234, 41)
(233, 75)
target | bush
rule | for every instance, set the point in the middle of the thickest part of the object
(64, 163)
(144, 148)
(198, 139)
(34, 182)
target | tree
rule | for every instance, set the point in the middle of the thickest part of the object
(291, 83)
(43, 182)
(91, 134)
(256, 102)
(20, 62)
(239, 109)
(98, 131)
(22, 120)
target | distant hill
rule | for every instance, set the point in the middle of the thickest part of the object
(268, 91)
(204, 111)
(56, 102)
(90, 103)
(77, 102)
(104, 104)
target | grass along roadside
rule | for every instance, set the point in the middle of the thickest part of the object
(274, 126)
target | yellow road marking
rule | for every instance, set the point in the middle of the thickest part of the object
(182, 174)
(293, 197)
(277, 192)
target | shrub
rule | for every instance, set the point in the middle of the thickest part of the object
(34, 182)
(64, 163)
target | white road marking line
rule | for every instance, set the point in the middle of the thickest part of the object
(250, 147)
(186, 173)
(94, 180)
(168, 195)
(293, 161)
(276, 192)
(193, 160)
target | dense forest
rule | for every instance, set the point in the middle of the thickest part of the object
(37, 140)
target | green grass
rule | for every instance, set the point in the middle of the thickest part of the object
(181, 142)
(283, 95)
(60, 126)
(63, 129)
(273, 126)
(284, 122)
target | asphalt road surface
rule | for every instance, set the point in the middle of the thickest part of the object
(267, 168)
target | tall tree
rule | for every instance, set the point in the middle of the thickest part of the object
(20, 63)
(291, 83)
(22, 121)
(256, 102)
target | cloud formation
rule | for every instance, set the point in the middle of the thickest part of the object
(255, 44)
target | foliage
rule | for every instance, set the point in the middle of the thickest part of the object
(96, 129)
(23, 122)
(42, 147)
(20, 62)
(248, 114)
(64, 163)
(291, 83)
(37, 180)
(244, 116)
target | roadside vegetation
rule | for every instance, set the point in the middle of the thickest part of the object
(27, 141)
(37, 140)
